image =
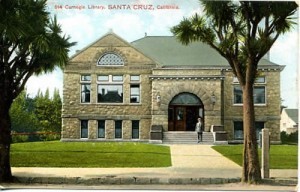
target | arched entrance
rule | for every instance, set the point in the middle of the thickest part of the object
(183, 111)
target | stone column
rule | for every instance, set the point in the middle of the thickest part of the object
(265, 153)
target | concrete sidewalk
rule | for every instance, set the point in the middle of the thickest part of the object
(191, 164)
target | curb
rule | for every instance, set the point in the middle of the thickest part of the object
(109, 180)
(113, 180)
(281, 181)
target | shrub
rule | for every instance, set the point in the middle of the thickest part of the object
(36, 136)
(19, 138)
(289, 138)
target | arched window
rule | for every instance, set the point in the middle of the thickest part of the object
(186, 99)
(110, 59)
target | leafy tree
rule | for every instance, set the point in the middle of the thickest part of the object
(57, 105)
(21, 112)
(48, 111)
(242, 32)
(30, 43)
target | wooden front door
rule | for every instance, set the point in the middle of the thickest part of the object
(183, 118)
(184, 110)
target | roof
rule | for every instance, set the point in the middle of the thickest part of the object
(167, 51)
(293, 114)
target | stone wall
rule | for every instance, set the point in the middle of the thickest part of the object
(202, 83)
(85, 63)
(268, 113)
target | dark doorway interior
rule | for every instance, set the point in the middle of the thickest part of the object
(184, 109)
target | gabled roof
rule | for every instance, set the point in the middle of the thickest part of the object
(167, 51)
(292, 114)
(98, 42)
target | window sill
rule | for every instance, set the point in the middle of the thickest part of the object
(113, 104)
(255, 105)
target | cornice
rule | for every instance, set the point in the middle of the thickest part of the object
(187, 77)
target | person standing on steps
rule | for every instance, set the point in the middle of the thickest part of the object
(198, 129)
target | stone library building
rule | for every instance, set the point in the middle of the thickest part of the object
(154, 89)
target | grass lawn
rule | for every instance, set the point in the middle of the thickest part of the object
(281, 156)
(87, 154)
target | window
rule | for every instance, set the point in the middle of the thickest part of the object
(260, 80)
(257, 80)
(85, 93)
(118, 129)
(239, 129)
(103, 78)
(134, 93)
(101, 129)
(259, 95)
(135, 129)
(86, 78)
(134, 78)
(110, 88)
(85, 88)
(259, 91)
(84, 132)
(110, 59)
(117, 78)
(237, 95)
(134, 89)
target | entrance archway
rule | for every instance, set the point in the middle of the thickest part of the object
(183, 111)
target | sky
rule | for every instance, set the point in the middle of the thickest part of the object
(85, 21)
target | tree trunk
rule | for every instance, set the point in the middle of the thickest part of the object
(5, 140)
(251, 167)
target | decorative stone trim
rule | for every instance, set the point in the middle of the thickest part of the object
(263, 68)
(186, 77)
(112, 50)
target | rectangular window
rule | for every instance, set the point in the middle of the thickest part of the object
(84, 129)
(237, 95)
(110, 93)
(85, 89)
(118, 129)
(239, 129)
(135, 93)
(135, 129)
(110, 89)
(103, 78)
(134, 78)
(86, 78)
(135, 89)
(117, 78)
(85, 93)
(101, 129)
(259, 94)
(260, 79)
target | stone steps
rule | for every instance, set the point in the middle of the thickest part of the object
(186, 137)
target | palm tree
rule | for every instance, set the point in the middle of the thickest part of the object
(242, 32)
(30, 43)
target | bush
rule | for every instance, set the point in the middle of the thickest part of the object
(16, 138)
(289, 138)
(37, 136)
